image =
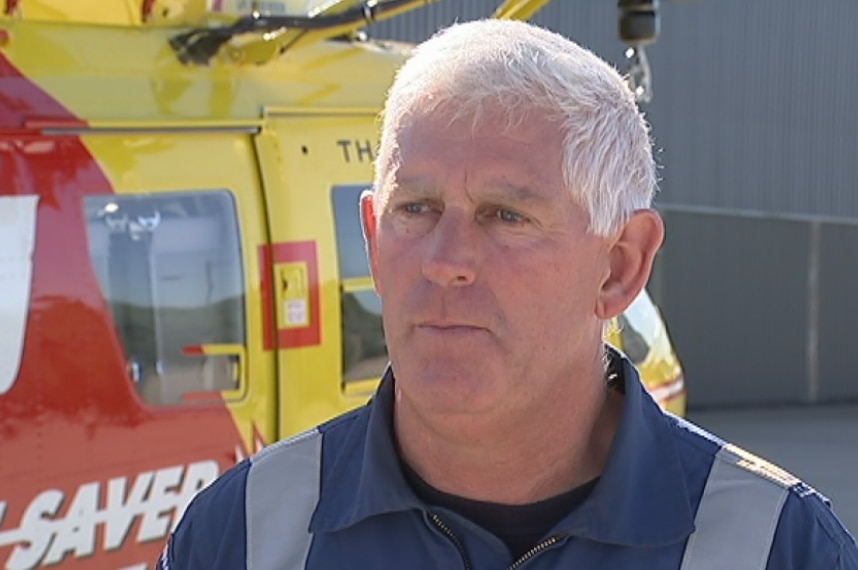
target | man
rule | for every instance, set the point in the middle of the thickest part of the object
(510, 221)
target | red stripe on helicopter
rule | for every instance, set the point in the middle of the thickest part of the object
(72, 419)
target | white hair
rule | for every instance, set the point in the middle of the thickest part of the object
(607, 160)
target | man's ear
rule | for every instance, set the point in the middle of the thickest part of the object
(369, 220)
(631, 256)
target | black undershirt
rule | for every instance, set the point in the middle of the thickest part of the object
(520, 527)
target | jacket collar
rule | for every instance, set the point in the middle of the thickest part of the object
(650, 508)
(642, 497)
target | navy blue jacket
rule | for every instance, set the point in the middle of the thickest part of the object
(336, 498)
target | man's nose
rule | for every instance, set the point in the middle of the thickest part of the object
(451, 256)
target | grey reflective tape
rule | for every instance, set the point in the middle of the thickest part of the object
(282, 493)
(738, 514)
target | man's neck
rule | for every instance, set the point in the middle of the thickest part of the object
(513, 460)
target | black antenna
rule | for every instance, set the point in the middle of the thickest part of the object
(638, 26)
(638, 23)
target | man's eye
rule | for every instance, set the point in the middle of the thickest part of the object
(414, 208)
(509, 216)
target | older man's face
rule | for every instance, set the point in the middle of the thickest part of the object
(487, 273)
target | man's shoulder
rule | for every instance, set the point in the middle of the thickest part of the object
(231, 487)
(213, 523)
(212, 533)
(213, 530)
(301, 447)
(807, 534)
(222, 499)
(704, 447)
(698, 446)
(694, 444)
(282, 454)
(810, 535)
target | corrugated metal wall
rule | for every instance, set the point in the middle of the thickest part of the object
(757, 130)
(756, 105)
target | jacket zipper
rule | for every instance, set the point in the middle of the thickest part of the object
(448, 532)
(548, 542)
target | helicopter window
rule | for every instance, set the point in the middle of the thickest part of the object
(170, 266)
(364, 351)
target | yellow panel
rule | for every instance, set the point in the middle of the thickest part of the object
(121, 12)
(121, 76)
(306, 156)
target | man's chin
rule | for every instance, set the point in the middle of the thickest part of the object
(449, 389)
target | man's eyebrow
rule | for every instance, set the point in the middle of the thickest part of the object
(502, 191)
(499, 191)
(419, 186)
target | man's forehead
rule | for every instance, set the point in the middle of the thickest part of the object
(475, 117)
(516, 159)
(519, 152)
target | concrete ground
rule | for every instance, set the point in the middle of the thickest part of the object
(817, 444)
